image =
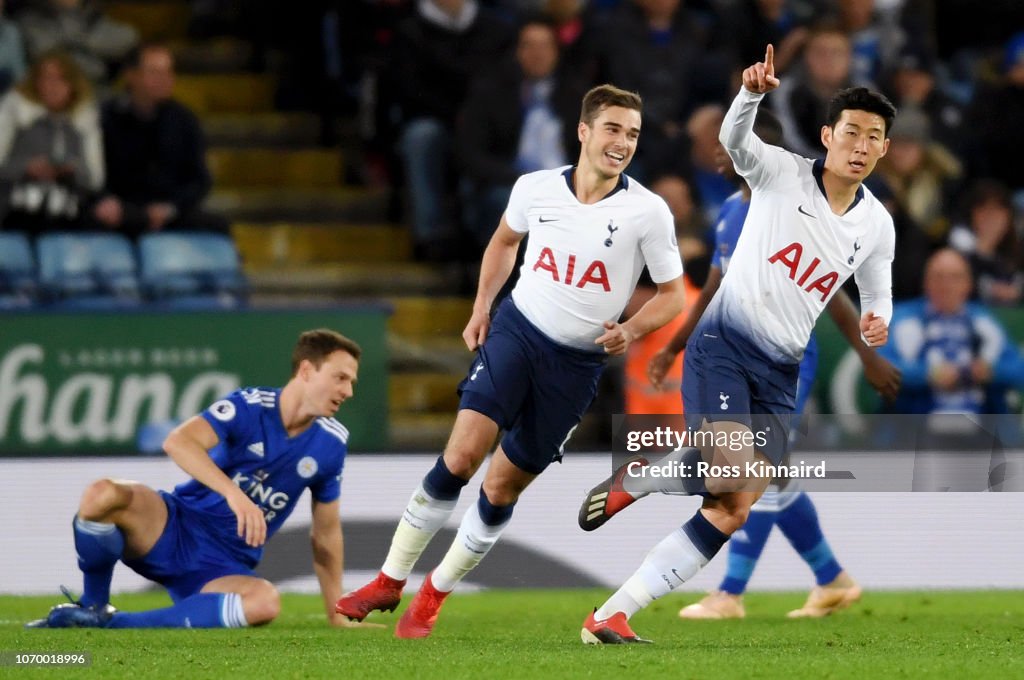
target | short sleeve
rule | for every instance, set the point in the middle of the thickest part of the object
(229, 418)
(519, 203)
(659, 246)
(327, 488)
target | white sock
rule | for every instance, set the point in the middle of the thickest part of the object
(422, 518)
(642, 483)
(473, 542)
(668, 565)
(232, 611)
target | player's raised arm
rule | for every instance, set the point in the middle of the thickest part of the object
(189, 446)
(753, 160)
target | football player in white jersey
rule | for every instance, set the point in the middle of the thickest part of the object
(592, 229)
(810, 226)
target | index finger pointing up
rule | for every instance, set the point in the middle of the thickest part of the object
(769, 60)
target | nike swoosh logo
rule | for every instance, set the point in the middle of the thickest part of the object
(800, 209)
(544, 221)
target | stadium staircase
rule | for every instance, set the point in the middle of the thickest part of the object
(307, 238)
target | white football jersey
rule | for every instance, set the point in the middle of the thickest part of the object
(794, 253)
(582, 261)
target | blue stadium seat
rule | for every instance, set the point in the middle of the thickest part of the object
(88, 270)
(192, 270)
(17, 271)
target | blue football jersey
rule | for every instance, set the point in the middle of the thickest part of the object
(273, 469)
(727, 234)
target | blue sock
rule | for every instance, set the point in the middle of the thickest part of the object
(745, 549)
(493, 515)
(441, 483)
(99, 546)
(202, 610)
(799, 523)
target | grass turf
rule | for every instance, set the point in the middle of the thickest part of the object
(533, 633)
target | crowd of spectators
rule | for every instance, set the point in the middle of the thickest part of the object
(467, 94)
(90, 135)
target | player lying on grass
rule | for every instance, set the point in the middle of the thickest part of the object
(250, 455)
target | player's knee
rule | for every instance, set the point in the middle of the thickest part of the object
(501, 492)
(262, 604)
(462, 462)
(102, 497)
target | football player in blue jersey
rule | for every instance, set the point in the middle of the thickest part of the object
(250, 456)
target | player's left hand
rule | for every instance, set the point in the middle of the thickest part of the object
(616, 338)
(874, 330)
(882, 375)
(342, 621)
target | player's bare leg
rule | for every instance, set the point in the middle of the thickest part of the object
(480, 529)
(135, 509)
(429, 508)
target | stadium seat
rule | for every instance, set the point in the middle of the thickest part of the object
(194, 270)
(17, 271)
(87, 270)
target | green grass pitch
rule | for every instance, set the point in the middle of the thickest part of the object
(535, 634)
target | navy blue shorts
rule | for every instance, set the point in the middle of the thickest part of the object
(728, 379)
(189, 553)
(534, 388)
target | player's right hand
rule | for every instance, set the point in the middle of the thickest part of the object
(658, 367)
(252, 526)
(760, 78)
(476, 329)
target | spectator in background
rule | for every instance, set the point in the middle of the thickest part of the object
(995, 117)
(920, 173)
(155, 153)
(51, 159)
(663, 51)
(875, 38)
(520, 119)
(756, 23)
(97, 42)
(12, 53)
(435, 54)
(990, 242)
(952, 353)
(912, 82)
(802, 100)
(576, 30)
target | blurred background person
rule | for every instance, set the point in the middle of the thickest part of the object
(990, 241)
(51, 158)
(155, 152)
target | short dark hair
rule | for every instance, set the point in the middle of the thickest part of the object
(767, 127)
(603, 96)
(861, 99)
(133, 59)
(315, 346)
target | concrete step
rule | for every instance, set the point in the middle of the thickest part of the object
(298, 243)
(263, 204)
(226, 93)
(430, 317)
(324, 283)
(155, 20)
(420, 431)
(252, 167)
(219, 55)
(446, 354)
(423, 392)
(262, 129)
